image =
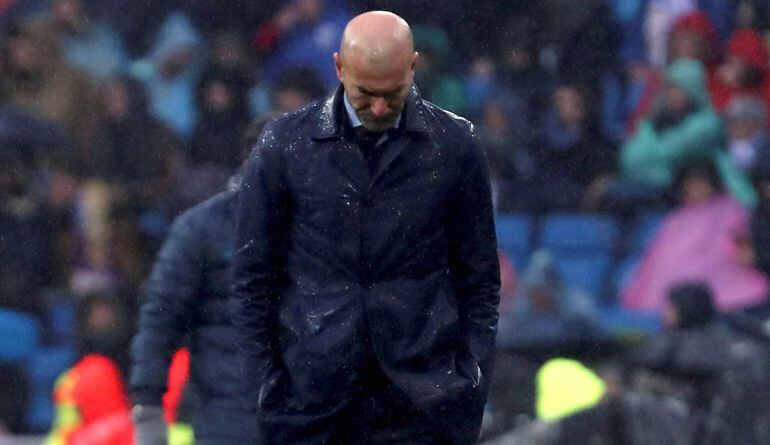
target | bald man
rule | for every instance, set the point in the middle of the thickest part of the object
(365, 287)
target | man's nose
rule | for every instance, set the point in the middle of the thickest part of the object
(379, 107)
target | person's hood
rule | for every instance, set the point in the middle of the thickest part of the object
(699, 22)
(748, 45)
(690, 76)
(176, 32)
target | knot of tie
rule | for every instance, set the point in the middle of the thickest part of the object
(367, 139)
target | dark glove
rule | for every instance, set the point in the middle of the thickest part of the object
(150, 427)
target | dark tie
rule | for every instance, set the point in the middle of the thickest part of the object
(367, 141)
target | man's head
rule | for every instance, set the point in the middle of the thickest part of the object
(689, 305)
(376, 67)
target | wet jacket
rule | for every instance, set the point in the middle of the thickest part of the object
(187, 295)
(336, 265)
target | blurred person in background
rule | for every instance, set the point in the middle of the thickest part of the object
(519, 71)
(437, 83)
(170, 73)
(133, 151)
(584, 37)
(508, 139)
(720, 374)
(547, 313)
(573, 159)
(297, 34)
(214, 150)
(545, 319)
(39, 80)
(26, 245)
(297, 88)
(745, 72)
(223, 117)
(128, 180)
(186, 301)
(682, 125)
(87, 43)
(701, 239)
(755, 249)
(91, 403)
(747, 131)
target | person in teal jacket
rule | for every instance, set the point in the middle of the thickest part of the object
(683, 125)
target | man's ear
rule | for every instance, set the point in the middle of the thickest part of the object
(415, 56)
(338, 65)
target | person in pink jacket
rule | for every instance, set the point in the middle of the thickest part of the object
(698, 240)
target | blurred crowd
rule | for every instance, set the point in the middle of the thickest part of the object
(117, 115)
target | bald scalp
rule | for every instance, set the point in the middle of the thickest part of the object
(379, 39)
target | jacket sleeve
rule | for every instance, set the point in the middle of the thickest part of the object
(259, 268)
(473, 260)
(697, 135)
(166, 312)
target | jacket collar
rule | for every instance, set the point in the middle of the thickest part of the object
(331, 116)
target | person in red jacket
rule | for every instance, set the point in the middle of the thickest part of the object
(745, 70)
(91, 402)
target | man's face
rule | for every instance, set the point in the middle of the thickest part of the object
(687, 44)
(676, 99)
(744, 128)
(377, 94)
(569, 105)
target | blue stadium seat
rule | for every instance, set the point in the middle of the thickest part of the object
(44, 368)
(583, 247)
(588, 273)
(61, 319)
(579, 234)
(514, 237)
(644, 232)
(19, 336)
(618, 319)
(40, 413)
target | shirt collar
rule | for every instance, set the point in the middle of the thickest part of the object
(355, 121)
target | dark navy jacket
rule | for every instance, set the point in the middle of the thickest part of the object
(186, 295)
(336, 264)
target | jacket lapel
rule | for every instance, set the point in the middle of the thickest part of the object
(348, 159)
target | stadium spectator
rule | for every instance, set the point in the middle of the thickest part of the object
(437, 84)
(298, 36)
(719, 374)
(683, 125)
(573, 160)
(88, 44)
(223, 117)
(132, 151)
(39, 80)
(699, 240)
(297, 88)
(170, 72)
(547, 313)
(747, 131)
(745, 72)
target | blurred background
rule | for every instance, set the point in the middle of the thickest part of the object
(629, 146)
